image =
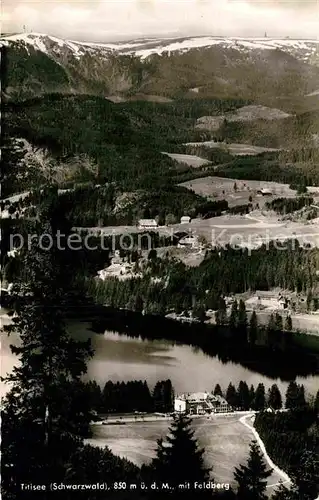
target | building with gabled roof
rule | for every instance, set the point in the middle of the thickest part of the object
(201, 403)
(147, 224)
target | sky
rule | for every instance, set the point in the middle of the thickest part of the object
(111, 20)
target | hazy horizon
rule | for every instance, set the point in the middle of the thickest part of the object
(110, 21)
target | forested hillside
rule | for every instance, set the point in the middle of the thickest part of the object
(292, 441)
(223, 272)
(122, 143)
(293, 131)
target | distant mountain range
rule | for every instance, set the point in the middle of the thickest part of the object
(161, 69)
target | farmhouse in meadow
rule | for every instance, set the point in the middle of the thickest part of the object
(201, 403)
(265, 191)
(188, 242)
(147, 224)
(185, 219)
(267, 300)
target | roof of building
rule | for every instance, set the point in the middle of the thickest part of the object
(147, 222)
(194, 397)
(200, 397)
(188, 240)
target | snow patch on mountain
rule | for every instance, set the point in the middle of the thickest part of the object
(50, 44)
(302, 49)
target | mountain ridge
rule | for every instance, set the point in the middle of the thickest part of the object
(181, 67)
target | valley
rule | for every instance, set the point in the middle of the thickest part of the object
(160, 233)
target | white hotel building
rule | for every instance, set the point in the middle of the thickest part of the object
(201, 403)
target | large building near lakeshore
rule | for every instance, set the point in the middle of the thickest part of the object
(201, 403)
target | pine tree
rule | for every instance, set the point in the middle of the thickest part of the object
(13, 169)
(251, 396)
(295, 396)
(288, 324)
(278, 323)
(253, 328)
(233, 319)
(242, 319)
(307, 476)
(179, 459)
(232, 396)
(41, 415)
(260, 398)
(218, 390)
(243, 396)
(301, 398)
(252, 477)
(283, 493)
(221, 313)
(168, 394)
(274, 398)
(271, 323)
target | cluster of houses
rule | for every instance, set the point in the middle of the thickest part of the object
(189, 241)
(119, 269)
(201, 403)
(151, 224)
(272, 301)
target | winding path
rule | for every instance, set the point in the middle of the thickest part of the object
(285, 478)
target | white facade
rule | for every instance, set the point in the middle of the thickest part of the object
(122, 271)
(201, 403)
(266, 192)
(147, 224)
(185, 219)
(188, 242)
(180, 405)
(268, 303)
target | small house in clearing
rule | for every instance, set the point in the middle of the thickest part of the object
(265, 191)
(185, 219)
(189, 242)
(147, 224)
(268, 300)
(118, 269)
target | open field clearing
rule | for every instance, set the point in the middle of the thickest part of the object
(190, 160)
(234, 148)
(250, 231)
(243, 114)
(223, 188)
(190, 257)
(225, 438)
(245, 231)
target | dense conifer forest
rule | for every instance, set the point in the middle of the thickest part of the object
(223, 272)
(292, 440)
(122, 143)
(136, 396)
(89, 206)
(283, 206)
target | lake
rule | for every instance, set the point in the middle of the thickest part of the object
(122, 358)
